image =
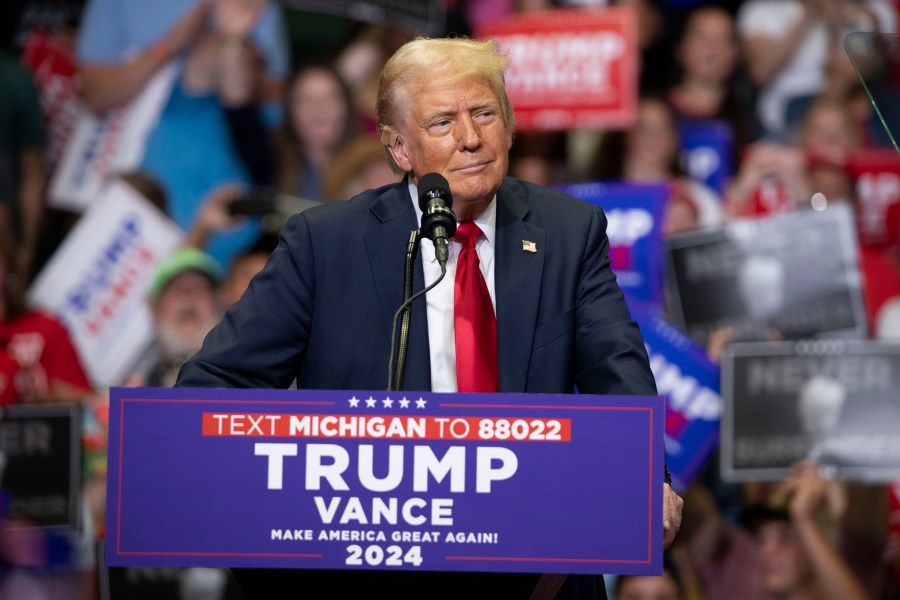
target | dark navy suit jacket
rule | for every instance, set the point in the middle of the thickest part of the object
(321, 312)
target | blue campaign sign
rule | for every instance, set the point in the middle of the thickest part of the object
(690, 382)
(707, 148)
(532, 483)
(635, 213)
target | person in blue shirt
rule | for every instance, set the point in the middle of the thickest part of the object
(124, 44)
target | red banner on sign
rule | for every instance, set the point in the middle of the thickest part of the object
(570, 67)
(388, 427)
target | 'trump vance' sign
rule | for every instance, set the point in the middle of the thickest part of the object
(363, 480)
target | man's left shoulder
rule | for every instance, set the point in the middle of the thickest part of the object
(542, 199)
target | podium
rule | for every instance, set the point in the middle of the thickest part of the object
(374, 480)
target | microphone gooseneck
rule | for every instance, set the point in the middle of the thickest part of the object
(438, 219)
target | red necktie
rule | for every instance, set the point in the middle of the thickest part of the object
(474, 322)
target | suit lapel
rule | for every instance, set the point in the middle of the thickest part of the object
(386, 243)
(517, 279)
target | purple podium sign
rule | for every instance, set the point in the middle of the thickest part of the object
(532, 483)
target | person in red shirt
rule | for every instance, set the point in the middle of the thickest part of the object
(38, 361)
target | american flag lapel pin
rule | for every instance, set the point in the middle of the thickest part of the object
(528, 246)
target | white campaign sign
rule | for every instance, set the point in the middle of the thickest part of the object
(103, 145)
(98, 279)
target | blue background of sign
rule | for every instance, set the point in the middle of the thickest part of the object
(639, 267)
(690, 382)
(707, 148)
(177, 498)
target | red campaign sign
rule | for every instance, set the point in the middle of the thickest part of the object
(52, 63)
(876, 173)
(570, 68)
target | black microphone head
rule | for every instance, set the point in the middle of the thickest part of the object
(433, 185)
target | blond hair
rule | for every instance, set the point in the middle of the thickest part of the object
(416, 61)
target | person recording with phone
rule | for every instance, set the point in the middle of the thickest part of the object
(525, 303)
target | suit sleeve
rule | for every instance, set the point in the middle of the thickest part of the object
(610, 354)
(262, 339)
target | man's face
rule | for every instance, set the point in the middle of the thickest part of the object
(455, 129)
(783, 566)
(184, 312)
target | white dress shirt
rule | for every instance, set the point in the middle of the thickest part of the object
(439, 301)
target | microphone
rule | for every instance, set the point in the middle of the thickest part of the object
(438, 220)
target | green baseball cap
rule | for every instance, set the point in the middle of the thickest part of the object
(184, 259)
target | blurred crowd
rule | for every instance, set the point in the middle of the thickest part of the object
(257, 120)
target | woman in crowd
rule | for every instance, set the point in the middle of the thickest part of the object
(319, 123)
(38, 361)
(707, 87)
(649, 152)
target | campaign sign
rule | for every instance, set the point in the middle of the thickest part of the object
(570, 68)
(707, 148)
(41, 471)
(97, 281)
(55, 74)
(371, 480)
(836, 402)
(101, 146)
(790, 276)
(635, 214)
(689, 381)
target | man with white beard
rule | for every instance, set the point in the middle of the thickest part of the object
(183, 299)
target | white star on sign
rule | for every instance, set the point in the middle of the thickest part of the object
(404, 403)
(420, 403)
(370, 402)
(387, 402)
(354, 402)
